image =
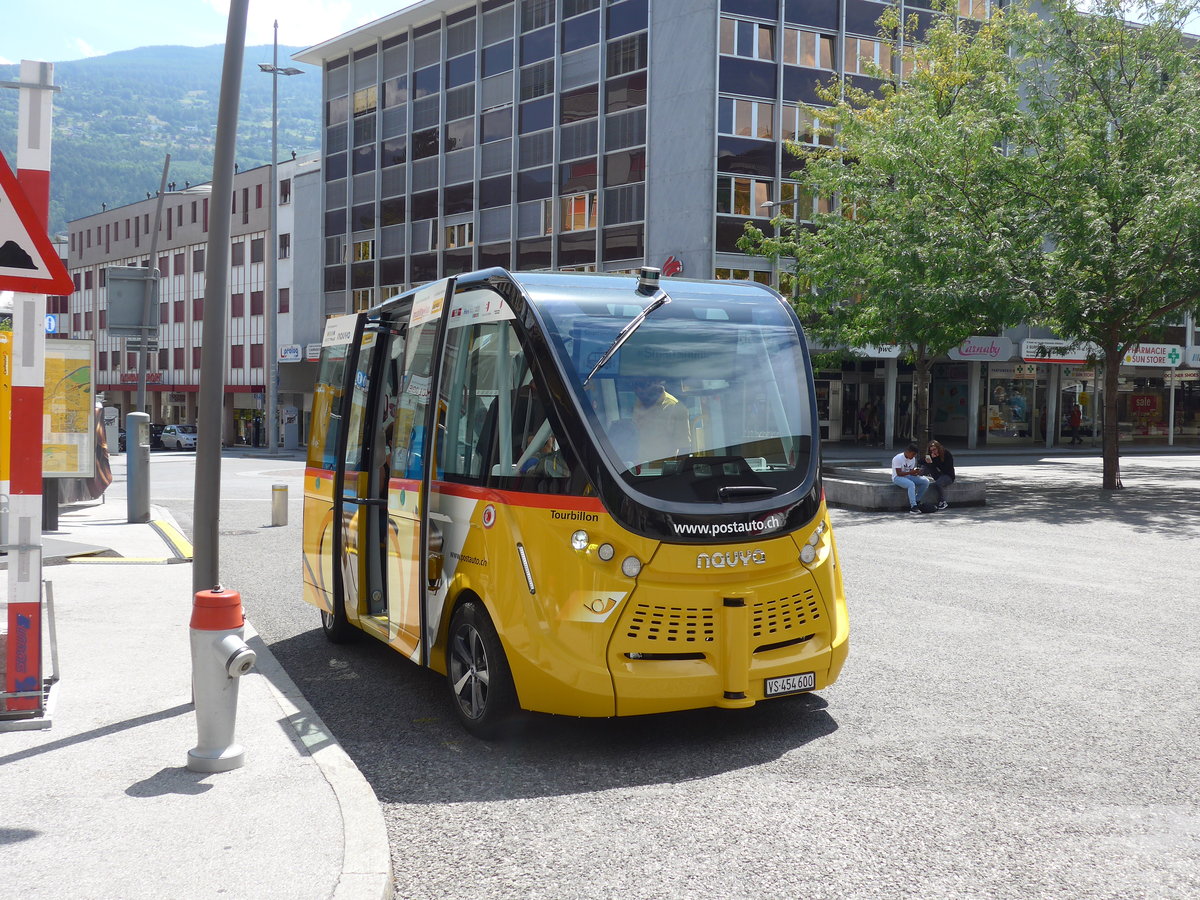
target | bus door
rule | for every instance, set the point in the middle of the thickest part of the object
(360, 513)
(395, 527)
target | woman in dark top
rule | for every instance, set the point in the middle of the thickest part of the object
(939, 465)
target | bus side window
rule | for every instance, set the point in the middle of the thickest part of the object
(472, 388)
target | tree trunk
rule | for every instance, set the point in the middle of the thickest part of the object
(1111, 445)
(921, 417)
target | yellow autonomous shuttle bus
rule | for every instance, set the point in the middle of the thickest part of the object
(580, 494)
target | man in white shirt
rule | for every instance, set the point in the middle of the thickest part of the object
(906, 473)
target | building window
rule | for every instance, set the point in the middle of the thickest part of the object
(536, 13)
(256, 303)
(178, 312)
(364, 299)
(196, 351)
(87, 280)
(256, 356)
(285, 191)
(805, 204)
(198, 260)
(177, 363)
(237, 356)
(973, 9)
(747, 118)
(742, 196)
(809, 49)
(285, 246)
(237, 305)
(861, 53)
(198, 309)
(364, 251)
(627, 54)
(102, 360)
(365, 100)
(258, 192)
(800, 126)
(256, 250)
(179, 264)
(742, 275)
(237, 254)
(285, 300)
(459, 236)
(578, 212)
(748, 39)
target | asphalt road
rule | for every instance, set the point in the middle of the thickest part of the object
(1017, 718)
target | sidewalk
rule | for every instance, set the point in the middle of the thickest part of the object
(101, 804)
(848, 454)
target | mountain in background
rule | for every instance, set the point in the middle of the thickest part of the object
(118, 115)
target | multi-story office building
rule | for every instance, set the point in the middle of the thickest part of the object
(608, 134)
(121, 236)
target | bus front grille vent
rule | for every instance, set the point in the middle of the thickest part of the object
(672, 624)
(785, 615)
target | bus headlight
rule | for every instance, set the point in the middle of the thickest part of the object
(631, 566)
(808, 554)
(580, 540)
(606, 552)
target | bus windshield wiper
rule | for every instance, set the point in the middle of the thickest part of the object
(631, 326)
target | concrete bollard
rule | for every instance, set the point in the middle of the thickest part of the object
(279, 502)
(220, 657)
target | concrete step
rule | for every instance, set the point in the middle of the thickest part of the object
(856, 488)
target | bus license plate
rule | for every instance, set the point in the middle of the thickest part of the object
(790, 684)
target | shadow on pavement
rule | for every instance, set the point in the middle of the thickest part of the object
(410, 747)
(1159, 501)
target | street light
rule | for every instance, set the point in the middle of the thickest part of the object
(272, 335)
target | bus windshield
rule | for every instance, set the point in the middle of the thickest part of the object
(706, 400)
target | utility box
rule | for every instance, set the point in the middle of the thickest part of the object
(291, 428)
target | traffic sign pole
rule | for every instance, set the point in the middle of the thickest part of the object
(23, 673)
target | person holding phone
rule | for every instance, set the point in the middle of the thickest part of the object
(939, 465)
(906, 473)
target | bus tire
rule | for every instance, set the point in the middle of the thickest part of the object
(481, 684)
(336, 625)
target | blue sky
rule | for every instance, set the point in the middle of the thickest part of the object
(73, 29)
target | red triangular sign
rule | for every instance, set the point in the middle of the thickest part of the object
(28, 261)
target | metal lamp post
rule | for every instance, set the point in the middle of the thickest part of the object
(272, 324)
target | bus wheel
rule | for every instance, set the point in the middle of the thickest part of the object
(480, 680)
(336, 626)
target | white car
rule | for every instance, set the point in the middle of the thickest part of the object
(179, 437)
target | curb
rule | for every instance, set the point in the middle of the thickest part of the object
(366, 854)
(366, 861)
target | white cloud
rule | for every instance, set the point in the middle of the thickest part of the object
(308, 22)
(5, 61)
(85, 49)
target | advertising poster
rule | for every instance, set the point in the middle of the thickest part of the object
(69, 411)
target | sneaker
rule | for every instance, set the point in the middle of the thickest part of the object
(942, 504)
(914, 509)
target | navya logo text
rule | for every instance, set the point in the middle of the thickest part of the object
(731, 559)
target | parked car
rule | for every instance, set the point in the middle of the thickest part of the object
(179, 437)
(155, 438)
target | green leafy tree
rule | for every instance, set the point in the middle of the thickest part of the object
(921, 248)
(1111, 176)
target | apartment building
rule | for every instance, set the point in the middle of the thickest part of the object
(121, 236)
(608, 134)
